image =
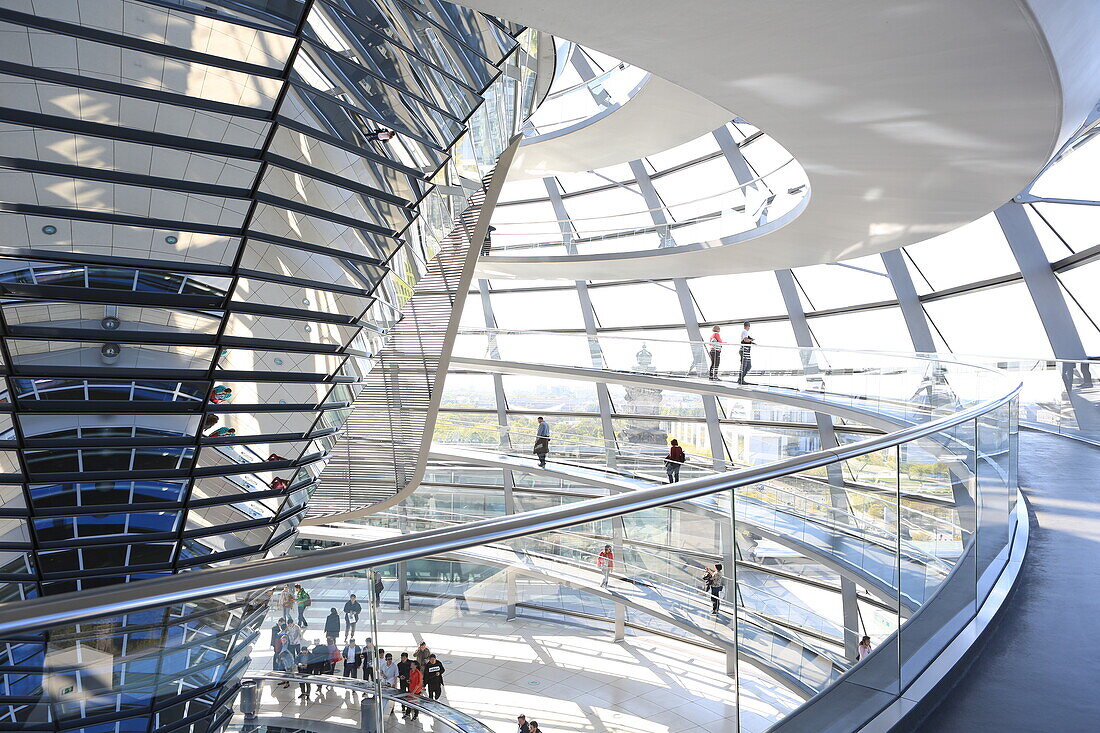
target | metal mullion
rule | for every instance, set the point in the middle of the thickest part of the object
(320, 213)
(124, 219)
(127, 90)
(400, 89)
(126, 134)
(122, 178)
(320, 249)
(120, 40)
(627, 183)
(65, 258)
(345, 183)
(207, 12)
(446, 31)
(363, 111)
(17, 428)
(211, 372)
(347, 17)
(337, 142)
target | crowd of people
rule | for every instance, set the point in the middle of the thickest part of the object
(417, 673)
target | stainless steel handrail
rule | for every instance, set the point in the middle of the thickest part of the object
(458, 720)
(70, 608)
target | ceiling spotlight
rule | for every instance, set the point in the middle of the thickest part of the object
(110, 323)
(49, 229)
(110, 351)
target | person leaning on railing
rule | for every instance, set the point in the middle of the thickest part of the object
(714, 347)
(746, 352)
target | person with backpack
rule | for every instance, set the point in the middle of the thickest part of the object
(674, 460)
(303, 601)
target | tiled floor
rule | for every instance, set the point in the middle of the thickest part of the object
(569, 678)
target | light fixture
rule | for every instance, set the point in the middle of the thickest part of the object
(49, 229)
(171, 239)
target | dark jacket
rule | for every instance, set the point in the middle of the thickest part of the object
(433, 673)
(332, 625)
(403, 669)
(353, 607)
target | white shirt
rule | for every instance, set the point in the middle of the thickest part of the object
(745, 334)
(862, 651)
(389, 673)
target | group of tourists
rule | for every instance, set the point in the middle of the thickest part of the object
(417, 673)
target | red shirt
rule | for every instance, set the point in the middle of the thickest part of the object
(606, 558)
(416, 681)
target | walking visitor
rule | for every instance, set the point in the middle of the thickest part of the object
(433, 677)
(605, 562)
(542, 442)
(303, 601)
(352, 609)
(674, 460)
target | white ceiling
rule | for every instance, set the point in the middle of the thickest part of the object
(910, 118)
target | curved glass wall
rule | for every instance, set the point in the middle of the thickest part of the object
(707, 192)
(448, 566)
(213, 213)
(587, 85)
(958, 293)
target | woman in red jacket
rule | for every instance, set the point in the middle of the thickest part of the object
(416, 686)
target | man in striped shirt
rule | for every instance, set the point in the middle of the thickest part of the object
(746, 352)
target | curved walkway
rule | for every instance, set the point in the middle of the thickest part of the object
(1038, 670)
(660, 116)
(843, 550)
(779, 653)
(886, 415)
